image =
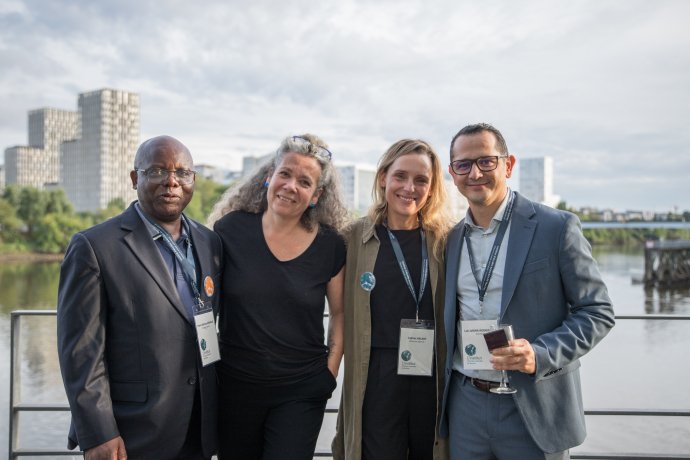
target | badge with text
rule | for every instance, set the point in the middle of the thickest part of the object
(416, 349)
(475, 353)
(367, 281)
(206, 335)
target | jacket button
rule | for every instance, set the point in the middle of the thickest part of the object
(191, 380)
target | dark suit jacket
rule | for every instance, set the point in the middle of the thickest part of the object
(127, 350)
(554, 296)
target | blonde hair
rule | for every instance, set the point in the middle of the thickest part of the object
(250, 194)
(434, 216)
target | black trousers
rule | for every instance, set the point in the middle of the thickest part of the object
(276, 422)
(399, 413)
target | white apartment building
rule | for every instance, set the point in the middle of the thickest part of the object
(250, 164)
(536, 180)
(357, 182)
(95, 166)
(39, 163)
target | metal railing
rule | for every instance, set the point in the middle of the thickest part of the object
(16, 407)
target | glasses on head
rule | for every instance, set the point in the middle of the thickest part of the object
(485, 164)
(160, 175)
(318, 150)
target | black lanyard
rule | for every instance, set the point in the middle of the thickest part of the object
(483, 284)
(186, 261)
(406, 273)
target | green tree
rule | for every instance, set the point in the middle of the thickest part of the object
(31, 208)
(10, 224)
(57, 202)
(115, 207)
(206, 193)
(11, 194)
(53, 232)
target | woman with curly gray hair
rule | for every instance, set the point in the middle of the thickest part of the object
(284, 255)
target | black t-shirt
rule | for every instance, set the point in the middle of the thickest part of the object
(391, 299)
(271, 313)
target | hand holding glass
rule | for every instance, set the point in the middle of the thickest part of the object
(498, 339)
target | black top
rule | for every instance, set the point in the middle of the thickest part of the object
(271, 312)
(391, 299)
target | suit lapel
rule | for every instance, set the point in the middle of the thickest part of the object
(146, 251)
(522, 227)
(452, 267)
(207, 262)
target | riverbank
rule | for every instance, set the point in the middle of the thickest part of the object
(30, 257)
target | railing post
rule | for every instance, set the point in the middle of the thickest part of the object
(15, 385)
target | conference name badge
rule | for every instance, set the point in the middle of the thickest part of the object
(206, 335)
(475, 353)
(416, 348)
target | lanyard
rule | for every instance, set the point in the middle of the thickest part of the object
(483, 285)
(186, 260)
(406, 272)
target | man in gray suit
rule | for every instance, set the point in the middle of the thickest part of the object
(131, 290)
(513, 261)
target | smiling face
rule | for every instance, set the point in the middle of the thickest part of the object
(407, 183)
(482, 189)
(163, 202)
(293, 185)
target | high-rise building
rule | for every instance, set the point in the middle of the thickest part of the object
(2, 177)
(89, 152)
(536, 180)
(38, 163)
(95, 166)
(250, 164)
(456, 201)
(357, 182)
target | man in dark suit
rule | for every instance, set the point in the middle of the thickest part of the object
(131, 290)
(515, 261)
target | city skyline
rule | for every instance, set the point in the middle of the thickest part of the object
(598, 86)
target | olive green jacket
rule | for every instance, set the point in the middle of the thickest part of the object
(362, 249)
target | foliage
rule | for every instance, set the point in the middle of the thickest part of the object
(206, 193)
(10, 224)
(54, 231)
(44, 220)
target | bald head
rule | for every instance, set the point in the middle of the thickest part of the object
(150, 146)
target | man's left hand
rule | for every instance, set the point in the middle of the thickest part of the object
(517, 356)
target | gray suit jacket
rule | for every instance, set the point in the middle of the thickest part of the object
(554, 296)
(127, 350)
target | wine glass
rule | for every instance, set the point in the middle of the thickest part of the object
(504, 388)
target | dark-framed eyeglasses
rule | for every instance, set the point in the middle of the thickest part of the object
(160, 175)
(485, 164)
(318, 150)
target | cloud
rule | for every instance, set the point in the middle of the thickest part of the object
(599, 85)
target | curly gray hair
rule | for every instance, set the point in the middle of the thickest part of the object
(250, 194)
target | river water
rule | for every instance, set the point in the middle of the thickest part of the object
(642, 364)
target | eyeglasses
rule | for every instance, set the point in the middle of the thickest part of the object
(485, 164)
(160, 175)
(318, 150)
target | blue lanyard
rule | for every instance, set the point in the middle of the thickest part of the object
(406, 272)
(483, 285)
(186, 260)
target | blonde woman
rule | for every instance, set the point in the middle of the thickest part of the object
(283, 255)
(393, 291)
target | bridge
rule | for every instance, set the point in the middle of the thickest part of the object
(641, 224)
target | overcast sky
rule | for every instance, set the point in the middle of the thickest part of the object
(603, 87)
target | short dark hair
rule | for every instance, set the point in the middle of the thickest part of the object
(478, 128)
